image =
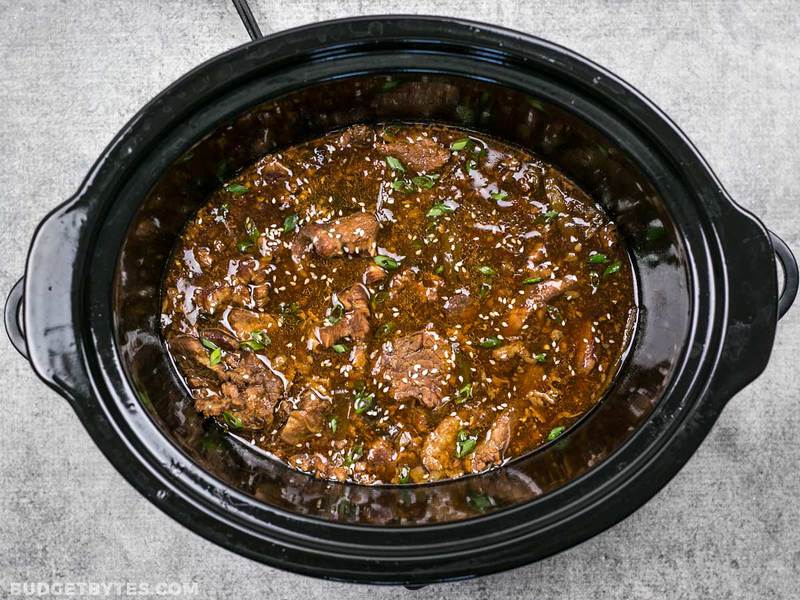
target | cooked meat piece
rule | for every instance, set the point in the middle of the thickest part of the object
(353, 234)
(462, 308)
(439, 450)
(358, 356)
(537, 296)
(418, 366)
(585, 359)
(244, 322)
(421, 155)
(188, 348)
(221, 338)
(490, 450)
(356, 135)
(354, 324)
(249, 392)
(374, 274)
(421, 286)
(379, 460)
(308, 418)
(248, 272)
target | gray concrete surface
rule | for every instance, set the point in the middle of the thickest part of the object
(728, 72)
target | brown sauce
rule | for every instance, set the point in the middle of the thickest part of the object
(398, 304)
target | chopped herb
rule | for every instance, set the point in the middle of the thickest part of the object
(244, 245)
(236, 188)
(465, 443)
(531, 280)
(499, 195)
(384, 330)
(541, 357)
(535, 104)
(290, 223)
(550, 215)
(553, 312)
(490, 342)
(438, 209)
(486, 270)
(215, 357)
(389, 84)
(598, 258)
(405, 474)
(387, 262)
(290, 310)
(425, 182)
(378, 298)
(395, 164)
(333, 424)
(232, 420)
(460, 144)
(363, 401)
(612, 268)
(403, 185)
(258, 341)
(555, 432)
(484, 290)
(481, 502)
(335, 314)
(339, 348)
(439, 270)
(355, 453)
(208, 343)
(472, 164)
(464, 394)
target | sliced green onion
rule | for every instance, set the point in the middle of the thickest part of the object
(465, 443)
(460, 144)
(490, 342)
(232, 420)
(598, 258)
(290, 223)
(395, 164)
(236, 188)
(387, 262)
(555, 432)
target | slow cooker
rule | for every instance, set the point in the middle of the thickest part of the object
(86, 312)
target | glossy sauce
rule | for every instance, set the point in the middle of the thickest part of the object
(398, 304)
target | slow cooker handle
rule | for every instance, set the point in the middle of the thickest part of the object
(13, 308)
(790, 273)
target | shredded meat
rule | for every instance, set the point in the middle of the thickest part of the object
(425, 286)
(416, 366)
(585, 359)
(353, 234)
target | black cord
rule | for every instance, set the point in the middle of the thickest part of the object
(246, 15)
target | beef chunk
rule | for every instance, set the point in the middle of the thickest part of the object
(462, 308)
(356, 135)
(490, 450)
(439, 450)
(353, 234)
(422, 155)
(244, 322)
(308, 418)
(418, 365)
(249, 392)
(538, 295)
(355, 321)
(221, 338)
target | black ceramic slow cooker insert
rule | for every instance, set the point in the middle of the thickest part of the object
(707, 285)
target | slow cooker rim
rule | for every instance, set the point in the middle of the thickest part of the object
(106, 155)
